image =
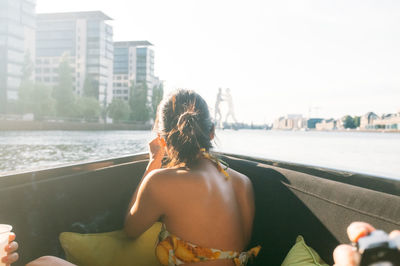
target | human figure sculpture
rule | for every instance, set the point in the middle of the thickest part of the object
(217, 115)
(228, 99)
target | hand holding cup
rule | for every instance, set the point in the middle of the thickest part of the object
(8, 246)
(157, 148)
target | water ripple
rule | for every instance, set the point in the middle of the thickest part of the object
(28, 150)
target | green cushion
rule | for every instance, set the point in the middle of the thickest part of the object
(302, 255)
(113, 248)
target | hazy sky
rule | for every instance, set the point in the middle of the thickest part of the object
(324, 58)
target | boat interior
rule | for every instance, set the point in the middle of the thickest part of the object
(291, 200)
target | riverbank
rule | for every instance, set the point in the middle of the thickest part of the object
(16, 125)
(343, 130)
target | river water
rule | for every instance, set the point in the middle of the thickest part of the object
(371, 153)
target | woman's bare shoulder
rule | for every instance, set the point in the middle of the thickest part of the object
(168, 176)
(171, 184)
(238, 177)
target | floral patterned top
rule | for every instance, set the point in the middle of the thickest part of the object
(171, 251)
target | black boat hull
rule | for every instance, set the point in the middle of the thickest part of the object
(291, 199)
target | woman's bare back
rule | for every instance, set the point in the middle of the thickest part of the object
(202, 207)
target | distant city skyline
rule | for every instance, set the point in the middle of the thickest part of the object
(326, 59)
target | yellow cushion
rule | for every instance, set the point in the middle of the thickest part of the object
(113, 248)
(302, 255)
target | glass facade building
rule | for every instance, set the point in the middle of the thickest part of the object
(17, 38)
(133, 63)
(86, 40)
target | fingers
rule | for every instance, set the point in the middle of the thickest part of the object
(345, 255)
(163, 143)
(11, 237)
(154, 141)
(10, 249)
(13, 246)
(158, 141)
(394, 234)
(356, 230)
(10, 258)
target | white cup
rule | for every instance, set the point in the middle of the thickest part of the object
(5, 231)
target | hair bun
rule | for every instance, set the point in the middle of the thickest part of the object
(186, 125)
(185, 118)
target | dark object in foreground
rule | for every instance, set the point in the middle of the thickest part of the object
(291, 200)
(377, 249)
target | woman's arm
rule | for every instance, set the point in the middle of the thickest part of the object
(146, 206)
(143, 210)
(154, 164)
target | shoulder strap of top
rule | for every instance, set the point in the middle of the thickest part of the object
(217, 162)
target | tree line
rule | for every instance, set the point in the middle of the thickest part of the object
(61, 102)
(351, 122)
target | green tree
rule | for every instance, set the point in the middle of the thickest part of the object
(27, 67)
(140, 110)
(118, 110)
(357, 121)
(24, 93)
(26, 87)
(88, 108)
(42, 102)
(90, 87)
(62, 92)
(349, 122)
(158, 93)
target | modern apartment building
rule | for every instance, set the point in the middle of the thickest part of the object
(85, 39)
(133, 63)
(17, 38)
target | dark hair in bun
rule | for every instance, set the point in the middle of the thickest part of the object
(184, 121)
